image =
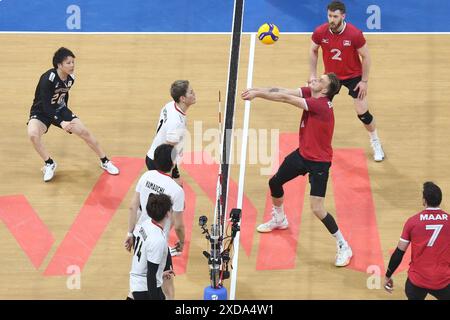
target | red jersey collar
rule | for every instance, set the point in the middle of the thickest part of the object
(157, 224)
(178, 109)
(343, 29)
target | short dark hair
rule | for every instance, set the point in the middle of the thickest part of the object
(60, 55)
(179, 89)
(163, 157)
(336, 5)
(158, 205)
(334, 86)
(432, 194)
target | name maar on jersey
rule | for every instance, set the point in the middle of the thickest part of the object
(430, 216)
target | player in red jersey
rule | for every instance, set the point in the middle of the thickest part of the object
(342, 45)
(428, 232)
(313, 156)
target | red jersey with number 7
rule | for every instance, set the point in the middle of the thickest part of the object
(340, 51)
(316, 128)
(429, 235)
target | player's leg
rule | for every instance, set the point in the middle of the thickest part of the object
(36, 128)
(291, 168)
(362, 110)
(80, 130)
(318, 179)
(441, 294)
(414, 292)
(168, 286)
(364, 115)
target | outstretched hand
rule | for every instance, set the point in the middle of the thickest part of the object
(248, 94)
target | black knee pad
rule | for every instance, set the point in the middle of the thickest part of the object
(366, 117)
(276, 188)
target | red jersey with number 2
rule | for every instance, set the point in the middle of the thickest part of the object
(316, 128)
(340, 51)
(429, 235)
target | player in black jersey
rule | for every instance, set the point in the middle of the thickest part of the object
(50, 107)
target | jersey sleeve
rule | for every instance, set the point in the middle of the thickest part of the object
(315, 37)
(359, 40)
(155, 251)
(406, 233)
(306, 92)
(178, 201)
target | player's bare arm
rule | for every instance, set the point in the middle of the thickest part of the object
(178, 224)
(313, 56)
(293, 92)
(274, 95)
(394, 262)
(365, 60)
(132, 218)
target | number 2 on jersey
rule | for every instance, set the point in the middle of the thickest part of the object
(436, 229)
(137, 248)
(337, 54)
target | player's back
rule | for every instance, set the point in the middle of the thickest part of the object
(429, 236)
(171, 127)
(156, 182)
(150, 243)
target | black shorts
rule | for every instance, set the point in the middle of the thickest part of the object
(65, 113)
(294, 165)
(169, 264)
(350, 84)
(151, 166)
(414, 292)
(143, 295)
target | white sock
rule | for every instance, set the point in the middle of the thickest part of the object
(373, 135)
(279, 212)
(339, 238)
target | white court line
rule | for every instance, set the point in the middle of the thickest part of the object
(243, 162)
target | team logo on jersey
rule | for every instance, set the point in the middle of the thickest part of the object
(302, 125)
(69, 83)
(57, 85)
(347, 43)
(324, 40)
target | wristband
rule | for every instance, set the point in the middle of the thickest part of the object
(129, 234)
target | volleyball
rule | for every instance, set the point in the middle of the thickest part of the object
(268, 33)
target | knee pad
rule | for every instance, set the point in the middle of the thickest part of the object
(366, 117)
(276, 188)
